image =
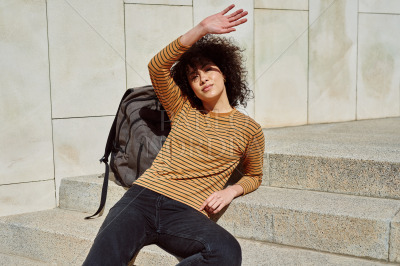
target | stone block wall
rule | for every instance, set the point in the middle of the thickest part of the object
(66, 63)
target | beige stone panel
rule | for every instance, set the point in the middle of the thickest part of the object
(281, 64)
(332, 60)
(78, 146)
(87, 67)
(159, 25)
(378, 84)
(394, 245)
(25, 111)
(244, 34)
(379, 6)
(282, 4)
(161, 2)
(27, 197)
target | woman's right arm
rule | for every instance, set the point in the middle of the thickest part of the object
(159, 67)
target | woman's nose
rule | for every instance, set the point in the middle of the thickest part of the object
(203, 77)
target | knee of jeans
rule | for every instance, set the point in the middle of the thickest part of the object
(229, 252)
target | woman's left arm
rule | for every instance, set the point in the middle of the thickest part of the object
(253, 167)
(253, 163)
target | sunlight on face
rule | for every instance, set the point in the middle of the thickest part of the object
(207, 81)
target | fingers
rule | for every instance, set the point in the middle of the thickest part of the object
(211, 208)
(213, 204)
(237, 23)
(232, 26)
(237, 12)
(236, 19)
(206, 202)
(237, 15)
(215, 207)
(222, 23)
(226, 10)
(203, 205)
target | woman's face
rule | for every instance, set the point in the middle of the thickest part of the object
(207, 81)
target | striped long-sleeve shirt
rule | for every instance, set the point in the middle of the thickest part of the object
(202, 150)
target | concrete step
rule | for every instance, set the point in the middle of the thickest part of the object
(336, 223)
(63, 237)
(357, 158)
(83, 193)
(58, 236)
(10, 260)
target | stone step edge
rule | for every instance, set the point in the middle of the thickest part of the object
(329, 156)
(342, 175)
(249, 199)
(251, 249)
(317, 220)
(8, 259)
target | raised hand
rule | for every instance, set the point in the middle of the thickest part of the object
(221, 23)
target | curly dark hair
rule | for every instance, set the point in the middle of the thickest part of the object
(224, 54)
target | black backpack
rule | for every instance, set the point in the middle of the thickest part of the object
(137, 134)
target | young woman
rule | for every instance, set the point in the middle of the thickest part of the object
(199, 80)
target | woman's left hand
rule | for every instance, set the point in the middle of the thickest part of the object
(219, 199)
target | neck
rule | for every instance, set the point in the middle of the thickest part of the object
(219, 105)
(222, 109)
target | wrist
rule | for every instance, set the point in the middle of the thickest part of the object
(235, 190)
(193, 35)
(201, 30)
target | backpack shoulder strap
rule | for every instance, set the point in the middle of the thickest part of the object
(111, 135)
(104, 159)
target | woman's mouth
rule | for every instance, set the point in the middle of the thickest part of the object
(207, 88)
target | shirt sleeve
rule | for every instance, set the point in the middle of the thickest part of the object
(166, 90)
(253, 163)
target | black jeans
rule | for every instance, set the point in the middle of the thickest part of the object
(143, 217)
